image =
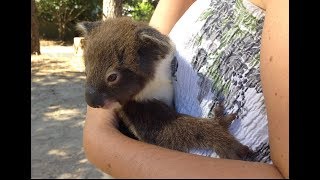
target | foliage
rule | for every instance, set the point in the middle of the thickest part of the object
(52, 10)
(140, 10)
(65, 13)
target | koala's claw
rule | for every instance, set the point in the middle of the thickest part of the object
(219, 110)
(224, 120)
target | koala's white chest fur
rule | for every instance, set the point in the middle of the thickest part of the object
(160, 87)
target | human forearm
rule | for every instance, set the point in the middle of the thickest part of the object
(275, 80)
(167, 13)
(123, 157)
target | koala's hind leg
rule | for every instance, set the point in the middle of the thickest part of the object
(189, 133)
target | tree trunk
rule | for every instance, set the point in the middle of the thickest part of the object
(35, 42)
(112, 8)
(62, 31)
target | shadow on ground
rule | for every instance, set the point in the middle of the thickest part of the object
(57, 117)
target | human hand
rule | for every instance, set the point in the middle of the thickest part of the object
(103, 117)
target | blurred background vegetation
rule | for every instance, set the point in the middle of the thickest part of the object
(56, 19)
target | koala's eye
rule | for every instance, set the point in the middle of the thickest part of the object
(112, 77)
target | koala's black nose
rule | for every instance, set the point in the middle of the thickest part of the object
(94, 98)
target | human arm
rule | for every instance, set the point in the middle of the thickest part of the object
(122, 157)
(274, 68)
(167, 13)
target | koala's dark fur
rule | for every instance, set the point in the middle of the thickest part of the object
(121, 59)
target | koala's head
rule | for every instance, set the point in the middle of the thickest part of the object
(120, 57)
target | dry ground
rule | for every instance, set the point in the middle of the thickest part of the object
(57, 115)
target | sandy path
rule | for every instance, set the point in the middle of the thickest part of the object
(57, 116)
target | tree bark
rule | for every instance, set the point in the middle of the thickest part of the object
(35, 42)
(62, 30)
(112, 8)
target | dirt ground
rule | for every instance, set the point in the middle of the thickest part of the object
(57, 115)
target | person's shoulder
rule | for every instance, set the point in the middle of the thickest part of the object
(260, 3)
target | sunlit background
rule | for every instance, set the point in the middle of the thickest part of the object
(57, 82)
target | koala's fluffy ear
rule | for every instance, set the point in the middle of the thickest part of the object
(152, 36)
(86, 27)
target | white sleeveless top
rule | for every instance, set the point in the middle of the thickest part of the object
(218, 59)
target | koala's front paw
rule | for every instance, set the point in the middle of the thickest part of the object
(224, 120)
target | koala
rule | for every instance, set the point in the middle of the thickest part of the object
(129, 62)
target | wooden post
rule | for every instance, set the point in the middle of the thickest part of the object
(78, 43)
